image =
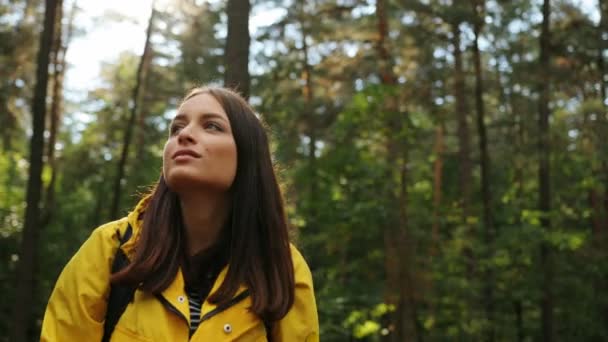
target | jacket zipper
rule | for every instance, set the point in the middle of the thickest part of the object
(225, 306)
(172, 308)
(209, 314)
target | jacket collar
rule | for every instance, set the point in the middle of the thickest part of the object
(135, 219)
(207, 306)
(175, 293)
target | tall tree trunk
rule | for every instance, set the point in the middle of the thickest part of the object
(386, 63)
(311, 122)
(519, 321)
(603, 149)
(236, 75)
(603, 33)
(590, 149)
(597, 214)
(401, 284)
(141, 117)
(464, 144)
(488, 283)
(518, 137)
(97, 214)
(438, 151)
(60, 48)
(135, 99)
(10, 69)
(409, 290)
(20, 318)
(544, 197)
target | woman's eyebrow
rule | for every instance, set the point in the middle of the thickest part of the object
(211, 115)
(180, 117)
(206, 115)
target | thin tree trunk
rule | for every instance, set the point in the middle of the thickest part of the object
(438, 212)
(308, 93)
(392, 264)
(603, 33)
(137, 90)
(597, 218)
(236, 75)
(385, 68)
(9, 71)
(488, 286)
(590, 151)
(464, 144)
(97, 215)
(20, 318)
(518, 137)
(403, 285)
(141, 117)
(59, 62)
(438, 151)
(409, 290)
(519, 321)
(544, 151)
(603, 150)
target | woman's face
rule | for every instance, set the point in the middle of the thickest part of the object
(200, 151)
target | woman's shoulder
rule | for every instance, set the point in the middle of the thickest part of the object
(300, 266)
(113, 230)
(110, 231)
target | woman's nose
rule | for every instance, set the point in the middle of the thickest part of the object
(185, 135)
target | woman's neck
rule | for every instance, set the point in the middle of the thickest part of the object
(204, 216)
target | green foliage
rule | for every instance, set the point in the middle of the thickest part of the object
(357, 160)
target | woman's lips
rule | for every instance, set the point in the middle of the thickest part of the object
(185, 155)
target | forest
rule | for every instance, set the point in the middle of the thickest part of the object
(444, 162)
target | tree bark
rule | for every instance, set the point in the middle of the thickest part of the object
(464, 144)
(602, 232)
(24, 283)
(519, 321)
(438, 151)
(597, 217)
(60, 48)
(386, 64)
(601, 63)
(488, 292)
(12, 66)
(236, 75)
(141, 117)
(518, 136)
(544, 151)
(135, 99)
(401, 283)
(311, 122)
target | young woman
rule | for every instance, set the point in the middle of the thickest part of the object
(209, 257)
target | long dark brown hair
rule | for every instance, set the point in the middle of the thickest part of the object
(260, 255)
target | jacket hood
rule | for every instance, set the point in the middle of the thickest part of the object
(135, 219)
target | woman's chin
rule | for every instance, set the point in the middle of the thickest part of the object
(182, 182)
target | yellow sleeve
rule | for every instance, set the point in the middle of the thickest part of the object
(77, 306)
(301, 322)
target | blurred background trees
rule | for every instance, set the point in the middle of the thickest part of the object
(445, 162)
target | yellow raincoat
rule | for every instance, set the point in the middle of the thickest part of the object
(77, 307)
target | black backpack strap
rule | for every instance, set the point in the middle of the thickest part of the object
(120, 295)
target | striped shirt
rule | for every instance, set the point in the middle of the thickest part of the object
(200, 272)
(195, 302)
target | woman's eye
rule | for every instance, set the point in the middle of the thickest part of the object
(175, 129)
(213, 126)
